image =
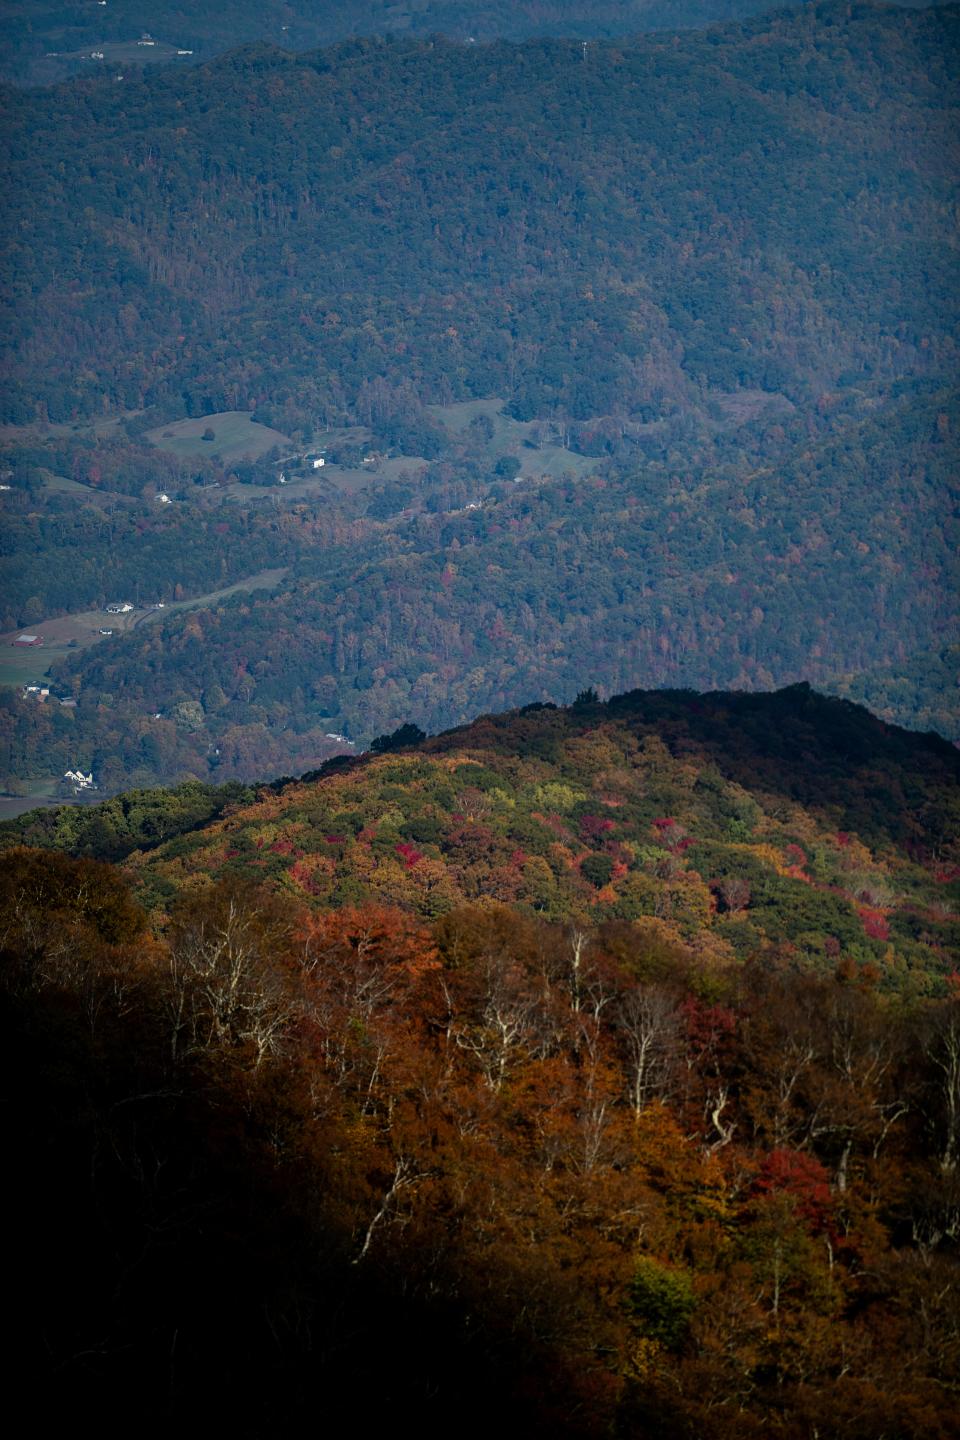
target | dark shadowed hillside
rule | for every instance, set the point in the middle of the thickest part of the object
(593, 1068)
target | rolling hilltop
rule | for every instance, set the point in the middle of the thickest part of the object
(727, 823)
(594, 1065)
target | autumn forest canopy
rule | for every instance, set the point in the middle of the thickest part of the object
(631, 365)
(480, 622)
(46, 40)
(594, 1068)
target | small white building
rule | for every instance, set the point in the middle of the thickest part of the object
(79, 781)
(318, 462)
(119, 607)
(163, 498)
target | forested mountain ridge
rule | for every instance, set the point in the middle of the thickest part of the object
(730, 822)
(586, 1073)
(43, 41)
(597, 1064)
(710, 277)
(602, 236)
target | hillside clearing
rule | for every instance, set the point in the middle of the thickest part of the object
(69, 632)
(236, 437)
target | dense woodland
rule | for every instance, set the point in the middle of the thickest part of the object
(761, 206)
(45, 40)
(837, 563)
(586, 1073)
(717, 269)
(706, 814)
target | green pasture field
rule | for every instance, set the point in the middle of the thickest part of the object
(554, 463)
(237, 437)
(41, 794)
(65, 486)
(509, 437)
(457, 417)
(122, 52)
(28, 666)
(263, 580)
(102, 500)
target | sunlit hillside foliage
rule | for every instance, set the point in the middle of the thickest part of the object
(589, 1073)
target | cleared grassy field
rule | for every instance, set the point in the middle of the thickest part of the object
(25, 667)
(263, 580)
(70, 632)
(510, 437)
(60, 636)
(63, 485)
(102, 500)
(237, 437)
(457, 417)
(553, 462)
(120, 52)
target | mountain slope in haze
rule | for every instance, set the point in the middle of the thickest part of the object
(715, 271)
(763, 206)
(644, 572)
(44, 41)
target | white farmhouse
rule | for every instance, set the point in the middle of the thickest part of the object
(79, 781)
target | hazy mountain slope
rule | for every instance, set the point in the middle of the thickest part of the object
(721, 264)
(650, 576)
(43, 40)
(924, 685)
(766, 206)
